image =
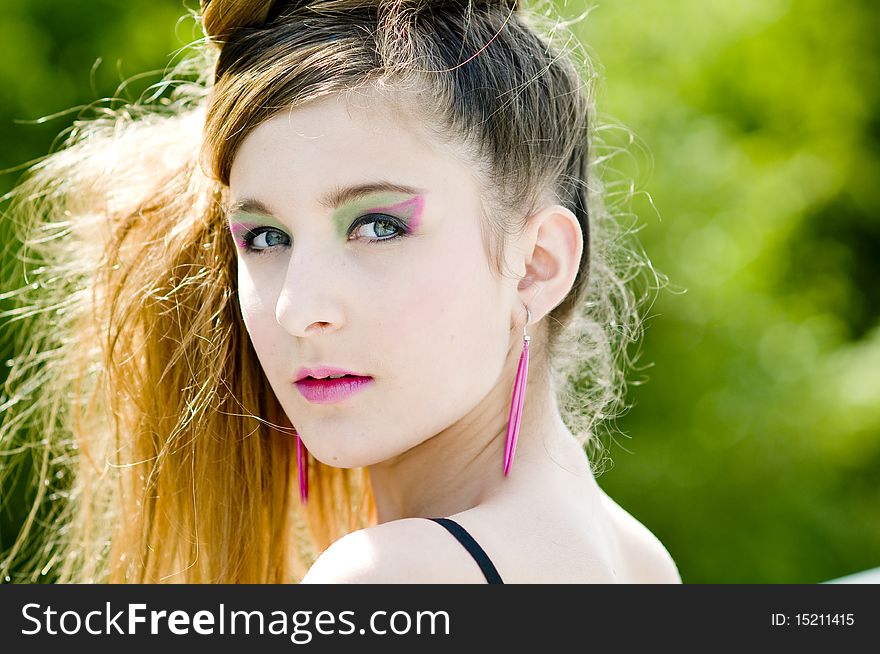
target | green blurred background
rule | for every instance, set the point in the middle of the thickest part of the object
(753, 446)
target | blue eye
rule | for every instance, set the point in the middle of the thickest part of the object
(382, 223)
(268, 237)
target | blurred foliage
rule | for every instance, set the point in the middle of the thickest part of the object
(753, 450)
(753, 447)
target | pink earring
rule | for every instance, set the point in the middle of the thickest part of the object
(302, 469)
(516, 403)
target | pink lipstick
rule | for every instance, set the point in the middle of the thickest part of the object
(317, 387)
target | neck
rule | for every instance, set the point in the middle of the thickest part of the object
(461, 467)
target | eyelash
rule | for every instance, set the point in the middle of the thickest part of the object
(248, 237)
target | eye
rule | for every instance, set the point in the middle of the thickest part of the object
(378, 227)
(261, 239)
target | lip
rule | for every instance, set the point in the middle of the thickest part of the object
(330, 391)
(324, 371)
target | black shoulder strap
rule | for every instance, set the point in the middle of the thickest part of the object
(472, 547)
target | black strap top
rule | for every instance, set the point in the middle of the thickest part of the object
(472, 547)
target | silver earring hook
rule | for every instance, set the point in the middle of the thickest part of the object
(526, 337)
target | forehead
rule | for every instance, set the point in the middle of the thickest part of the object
(341, 139)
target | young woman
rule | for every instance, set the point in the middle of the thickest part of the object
(348, 310)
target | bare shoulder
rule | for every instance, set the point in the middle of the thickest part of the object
(647, 559)
(410, 550)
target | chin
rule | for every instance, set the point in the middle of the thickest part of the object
(344, 457)
(339, 442)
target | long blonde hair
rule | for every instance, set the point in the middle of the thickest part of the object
(161, 451)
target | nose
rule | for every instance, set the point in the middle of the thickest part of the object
(310, 299)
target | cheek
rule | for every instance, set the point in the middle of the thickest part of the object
(258, 316)
(452, 311)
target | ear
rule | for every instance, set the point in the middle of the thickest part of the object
(551, 247)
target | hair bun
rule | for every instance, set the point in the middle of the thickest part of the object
(222, 17)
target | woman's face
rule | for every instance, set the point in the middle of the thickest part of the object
(392, 283)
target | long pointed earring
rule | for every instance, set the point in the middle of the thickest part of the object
(516, 403)
(302, 470)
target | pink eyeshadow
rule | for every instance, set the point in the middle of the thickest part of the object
(238, 231)
(411, 209)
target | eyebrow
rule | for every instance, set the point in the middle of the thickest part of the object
(334, 198)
